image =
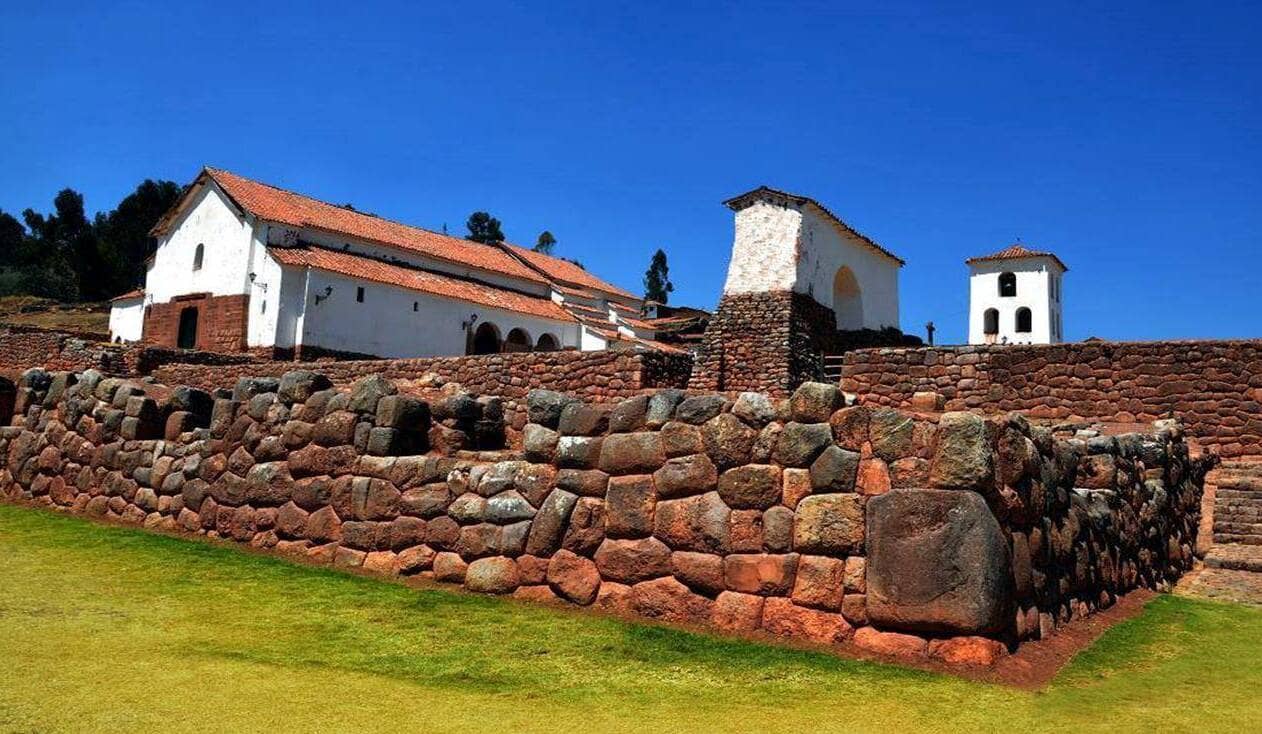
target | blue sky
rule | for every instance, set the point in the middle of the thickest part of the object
(1128, 140)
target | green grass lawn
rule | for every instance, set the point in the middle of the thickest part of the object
(109, 629)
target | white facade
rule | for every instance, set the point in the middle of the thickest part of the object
(783, 242)
(127, 318)
(1025, 310)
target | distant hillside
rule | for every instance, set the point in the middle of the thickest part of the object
(92, 318)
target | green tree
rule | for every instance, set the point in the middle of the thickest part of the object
(12, 239)
(657, 285)
(124, 232)
(545, 243)
(484, 228)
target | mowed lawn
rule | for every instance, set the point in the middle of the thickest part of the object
(111, 629)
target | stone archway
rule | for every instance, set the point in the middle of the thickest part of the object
(486, 339)
(518, 340)
(847, 300)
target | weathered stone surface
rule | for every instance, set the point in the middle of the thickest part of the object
(403, 412)
(583, 482)
(777, 529)
(573, 577)
(296, 386)
(684, 476)
(669, 600)
(544, 407)
(937, 562)
(580, 419)
(754, 408)
(745, 534)
(681, 439)
(962, 458)
(751, 487)
(586, 530)
(797, 485)
(367, 391)
(873, 477)
(891, 644)
(508, 507)
(760, 573)
(580, 452)
(829, 524)
(629, 506)
(834, 470)
(699, 408)
(494, 575)
(820, 582)
(449, 567)
(736, 612)
(632, 453)
(699, 523)
(701, 572)
(631, 561)
(629, 415)
(550, 523)
(728, 441)
(414, 560)
(850, 427)
(539, 442)
(967, 651)
(800, 443)
(814, 402)
(661, 407)
(780, 616)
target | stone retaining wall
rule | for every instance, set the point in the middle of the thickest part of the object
(954, 537)
(1213, 387)
(601, 375)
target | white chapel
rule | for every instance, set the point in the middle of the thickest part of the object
(1015, 297)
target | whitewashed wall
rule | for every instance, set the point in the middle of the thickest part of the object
(209, 220)
(824, 250)
(779, 248)
(385, 324)
(1034, 291)
(127, 319)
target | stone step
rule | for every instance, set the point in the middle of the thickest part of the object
(1236, 557)
(1238, 528)
(1233, 538)
(1241, 489)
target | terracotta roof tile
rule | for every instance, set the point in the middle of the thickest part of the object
(366, 268)
(566, 271)
(286, 207)
(1016, 252)
(137, 293)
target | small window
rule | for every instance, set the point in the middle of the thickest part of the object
(416, 306)
(359, 294)
(198, 254)
(990, 322)
(1007, 285)
(1025, 321)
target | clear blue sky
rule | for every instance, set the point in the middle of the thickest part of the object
(1129, 140)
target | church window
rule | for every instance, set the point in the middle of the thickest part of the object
(359, 294)
(198, 254)
(990, 321)
(1007, 285)
(1024, 321)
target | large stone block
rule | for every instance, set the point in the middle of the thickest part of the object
(829, 524)
(962, 458)
(937, 562)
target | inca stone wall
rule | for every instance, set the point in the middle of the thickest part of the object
(601, 375)
(1213, 387)
(952, 538)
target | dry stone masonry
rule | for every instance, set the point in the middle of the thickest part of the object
(954, 537)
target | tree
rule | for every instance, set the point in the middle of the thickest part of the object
(657, 285)
(545, 243)
(12, 239)
(124, 232)
(484, 228)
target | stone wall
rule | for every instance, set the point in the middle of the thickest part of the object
(221, 321)
(774, 341)
(23, 346)
(1213, 387)
(797, 518)
(601, 375)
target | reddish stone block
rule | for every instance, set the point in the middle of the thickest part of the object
(760, 573)
(892, 644)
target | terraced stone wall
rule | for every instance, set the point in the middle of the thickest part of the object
(1213, 387)
(954, 537)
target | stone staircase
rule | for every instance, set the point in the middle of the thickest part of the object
(1237, 517)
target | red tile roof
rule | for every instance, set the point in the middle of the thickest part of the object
(366, 268)
(286, 207)
(565, 271)
(1016, 252)
(736, 203)
(137, 293)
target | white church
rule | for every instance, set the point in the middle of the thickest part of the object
(241, 265)
(1015, 297)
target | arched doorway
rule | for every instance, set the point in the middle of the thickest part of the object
(486, 340)
(1025, 321)
(547, 343)
(518, 341)
(990, 325)
(847, 300)
(187, 337)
